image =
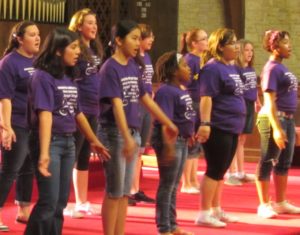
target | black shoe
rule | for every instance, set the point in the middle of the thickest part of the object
(140, 196)
(131, 201)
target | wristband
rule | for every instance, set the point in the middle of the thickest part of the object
(205, 123)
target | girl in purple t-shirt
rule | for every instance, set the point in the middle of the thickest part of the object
(84, 22)
(15, 71)
(175, 101)
(55, 113)
(194, 43)
(222, 113)
(147, 39)
(245, 60)
(276, 125)
(121, 90)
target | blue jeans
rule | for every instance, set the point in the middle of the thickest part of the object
(47, 215)
(271, 155)
(118, 170)
(16, 164)
(169, 177)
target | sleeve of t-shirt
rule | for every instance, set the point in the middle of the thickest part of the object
(209, 81)
(110, 86)
(270, 79)
(165, 102)
(7, 80)
(43, 93)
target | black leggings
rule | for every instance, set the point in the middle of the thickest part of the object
(83, 151)
(219, 151)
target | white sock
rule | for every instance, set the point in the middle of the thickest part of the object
(240, 174)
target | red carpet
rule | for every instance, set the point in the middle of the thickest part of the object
(239, 200)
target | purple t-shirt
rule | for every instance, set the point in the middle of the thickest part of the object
(124, 82)
(177, 105)
(88, 85)
(59, 96)
(223, 84)
(277, 78)
(193, 62)
(249, 78)
(147, 73)
(15, 73)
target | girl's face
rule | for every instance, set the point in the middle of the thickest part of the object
(146, 43)
(184, 72)
(130, 45)
(89, 27)
(30, 42)
(284, 48)
(230, 51)
(71, 53)
(201, 44)
(248, 53)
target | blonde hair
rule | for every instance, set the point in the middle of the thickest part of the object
(187, 39)
(77, 21)
(217, 39)
(240, 61)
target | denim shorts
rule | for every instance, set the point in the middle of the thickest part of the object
(271, 155)
(118, 171)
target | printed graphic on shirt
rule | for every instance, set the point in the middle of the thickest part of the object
(251, 80)
(239, 86)
(30, 70)
(294, 82)
(131, 92)
(189, 113)
(147, 74)
(69, 101)
(92, 68)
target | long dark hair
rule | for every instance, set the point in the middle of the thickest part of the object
(48, 59)
(121, 30)
(17, 31)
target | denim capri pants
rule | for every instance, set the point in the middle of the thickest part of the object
(118, 170)
(271, 155)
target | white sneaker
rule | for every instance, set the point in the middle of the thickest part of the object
(222, 216)
(233, 181)
(73, 213)
(286, 208)
(266, 211)
(209, 221)
(191, 190)
(88, 208)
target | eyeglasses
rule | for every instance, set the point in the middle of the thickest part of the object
(232, 43)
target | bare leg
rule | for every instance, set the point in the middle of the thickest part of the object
(262, 187)
(135, 187)
(194, 177)
(280, 182)
(209, 189)
(216, 202)
(80, 182)
(240, 155)
(121, 218)
(110, 213)
(186, 182)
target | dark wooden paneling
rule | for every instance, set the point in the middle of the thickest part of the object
(235, 16)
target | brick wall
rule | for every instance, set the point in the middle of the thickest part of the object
(203, 14)
(260, 15)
